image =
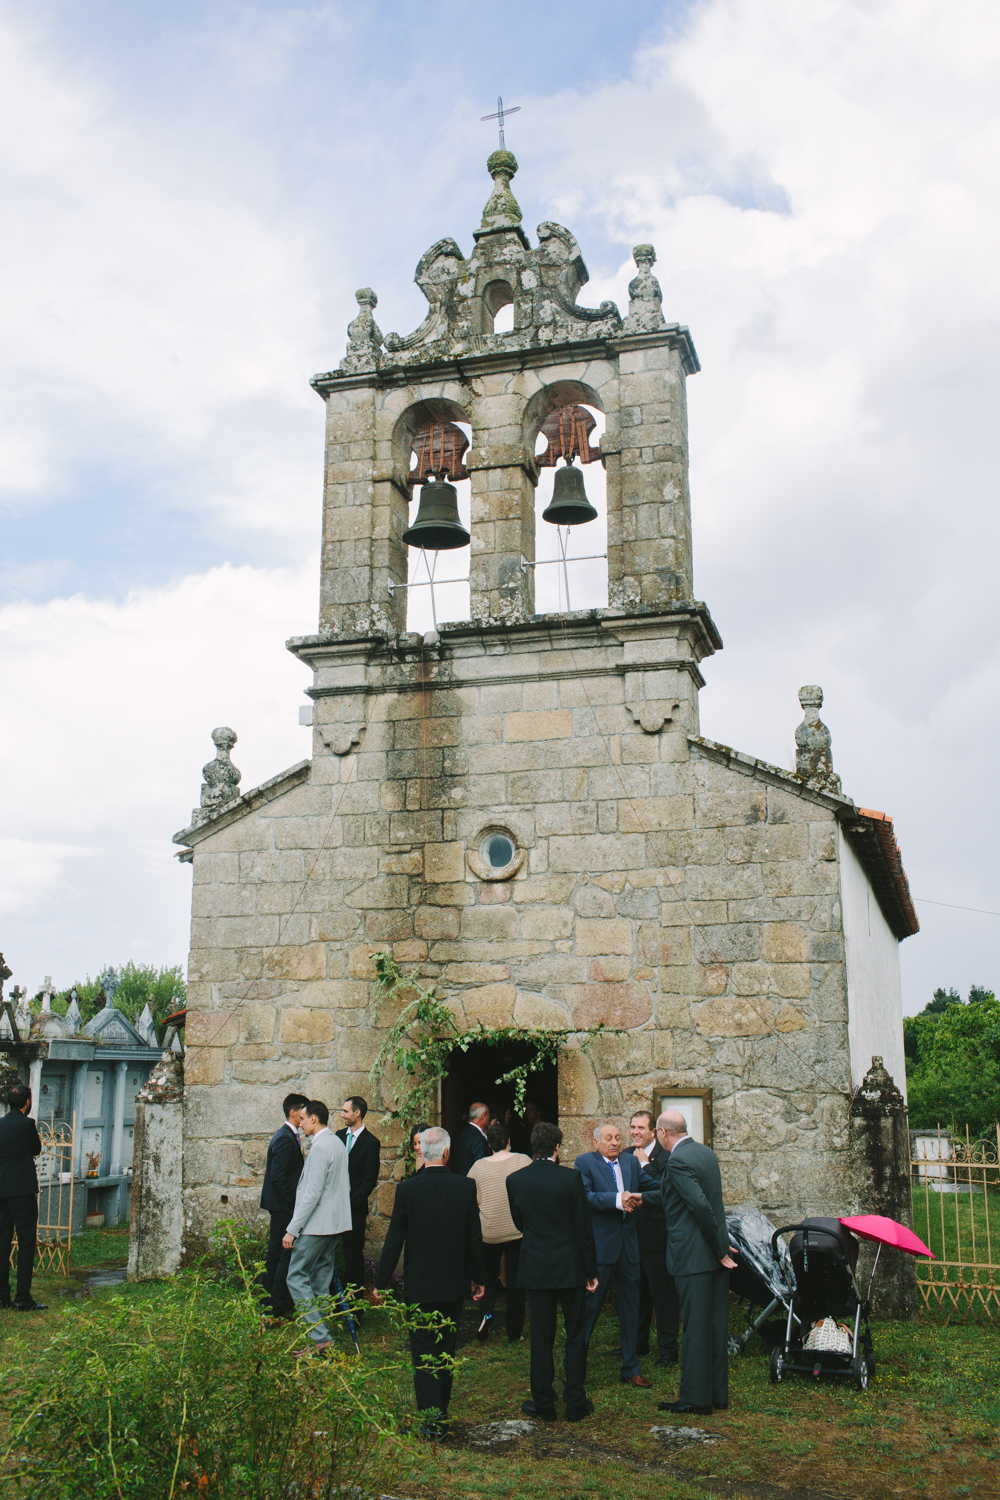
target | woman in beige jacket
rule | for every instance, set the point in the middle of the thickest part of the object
(501, 1238)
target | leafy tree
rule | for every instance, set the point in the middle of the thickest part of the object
(953, 1062)
(131, 986)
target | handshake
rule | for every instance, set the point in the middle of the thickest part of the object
(631, 1201)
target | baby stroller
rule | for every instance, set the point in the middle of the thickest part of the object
(828, 1332)
(760, 1279)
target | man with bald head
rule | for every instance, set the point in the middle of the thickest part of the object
(699, 1261)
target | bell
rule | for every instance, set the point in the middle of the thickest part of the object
(437, 527)
(569, 505)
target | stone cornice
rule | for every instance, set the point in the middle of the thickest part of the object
(762, 770)
(546, 646)
(240, 806)
(463, 367)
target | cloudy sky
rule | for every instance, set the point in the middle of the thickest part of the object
(191, 193)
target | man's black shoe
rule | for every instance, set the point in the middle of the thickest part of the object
(665, 1360)
(5, 1302)
(30, 1306)
(682, 1406)
(580, 1412)
(720, 1406)
(531, 1410)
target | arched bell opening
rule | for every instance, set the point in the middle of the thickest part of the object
(498, 304)
(438, 575)
(571, 566)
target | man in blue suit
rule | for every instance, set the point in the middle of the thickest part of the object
(613, 1184)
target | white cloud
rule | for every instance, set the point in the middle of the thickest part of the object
(112, 707)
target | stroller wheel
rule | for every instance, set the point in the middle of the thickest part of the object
(860, 1372)
(735, 1345)
(777, 1365)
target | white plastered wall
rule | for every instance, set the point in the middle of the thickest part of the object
(874, 988)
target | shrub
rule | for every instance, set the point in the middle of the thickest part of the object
(181, 1390)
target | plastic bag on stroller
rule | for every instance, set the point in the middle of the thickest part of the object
(763, 1281)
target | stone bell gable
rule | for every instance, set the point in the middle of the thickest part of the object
(736, 924)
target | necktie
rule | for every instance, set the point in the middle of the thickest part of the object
(350, 1141)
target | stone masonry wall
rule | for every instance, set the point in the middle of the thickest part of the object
(669, 888)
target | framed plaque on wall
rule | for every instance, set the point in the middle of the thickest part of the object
(694, 1104)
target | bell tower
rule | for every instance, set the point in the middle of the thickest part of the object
(389, 395)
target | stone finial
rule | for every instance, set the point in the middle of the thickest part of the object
(502, 210)
(222, 779)
(645, 307)
(364, 337)
(73, 1017)
(813, 759)
(22, 1009)
(146, 1026)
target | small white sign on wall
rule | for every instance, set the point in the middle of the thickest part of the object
(696, 1109)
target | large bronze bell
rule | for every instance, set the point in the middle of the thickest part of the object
(437, 527)
(569, 505)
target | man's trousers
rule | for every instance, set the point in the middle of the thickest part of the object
(624, 1275)
(310, 1272)
(704, 1301)
(658, 1294)
(19, 1212)
(432, 1381)
(354, 1248)
(276, 1265)
(543, 1306)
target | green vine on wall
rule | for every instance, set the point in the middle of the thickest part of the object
(426, 1033)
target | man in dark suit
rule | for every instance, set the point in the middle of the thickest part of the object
(364, 1156)
(435, 1215)
(614, 1185)
(657, 1292)
(19, 1145)
(282, 1171)
(472, 1144)
(699, 1261)
(558, 1267)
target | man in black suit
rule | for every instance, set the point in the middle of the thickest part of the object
(436, 1216)
(19, 1145)
(699, 1261)
(364, 1155)
(471, 1144)
(657, 1292)
(282, 1171)
(558, 1266)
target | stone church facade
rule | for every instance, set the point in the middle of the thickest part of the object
(736, 923)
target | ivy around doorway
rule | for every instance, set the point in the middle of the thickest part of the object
(426, 1033)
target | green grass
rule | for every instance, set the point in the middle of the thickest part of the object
(929, 1424)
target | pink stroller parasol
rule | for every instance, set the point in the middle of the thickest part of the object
(887, 1232)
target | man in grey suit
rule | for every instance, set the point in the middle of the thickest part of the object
(699, 1261)
(321, 1215)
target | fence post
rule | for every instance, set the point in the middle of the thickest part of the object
(156, 1220)
(880, 1161)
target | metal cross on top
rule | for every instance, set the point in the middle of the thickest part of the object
(500, 117)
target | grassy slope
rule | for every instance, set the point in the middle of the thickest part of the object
(929, 1426)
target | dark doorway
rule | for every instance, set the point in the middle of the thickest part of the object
(472, 1076)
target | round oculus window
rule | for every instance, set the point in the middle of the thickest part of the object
(497, 851)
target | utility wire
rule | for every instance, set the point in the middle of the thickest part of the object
(982, 910)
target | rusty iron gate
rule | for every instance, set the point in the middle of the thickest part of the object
(956, 1210)
(55, 1198)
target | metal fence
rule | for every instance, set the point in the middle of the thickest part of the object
(55, 1198)
(956, 1210)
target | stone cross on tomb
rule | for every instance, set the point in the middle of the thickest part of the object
(499, 117)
